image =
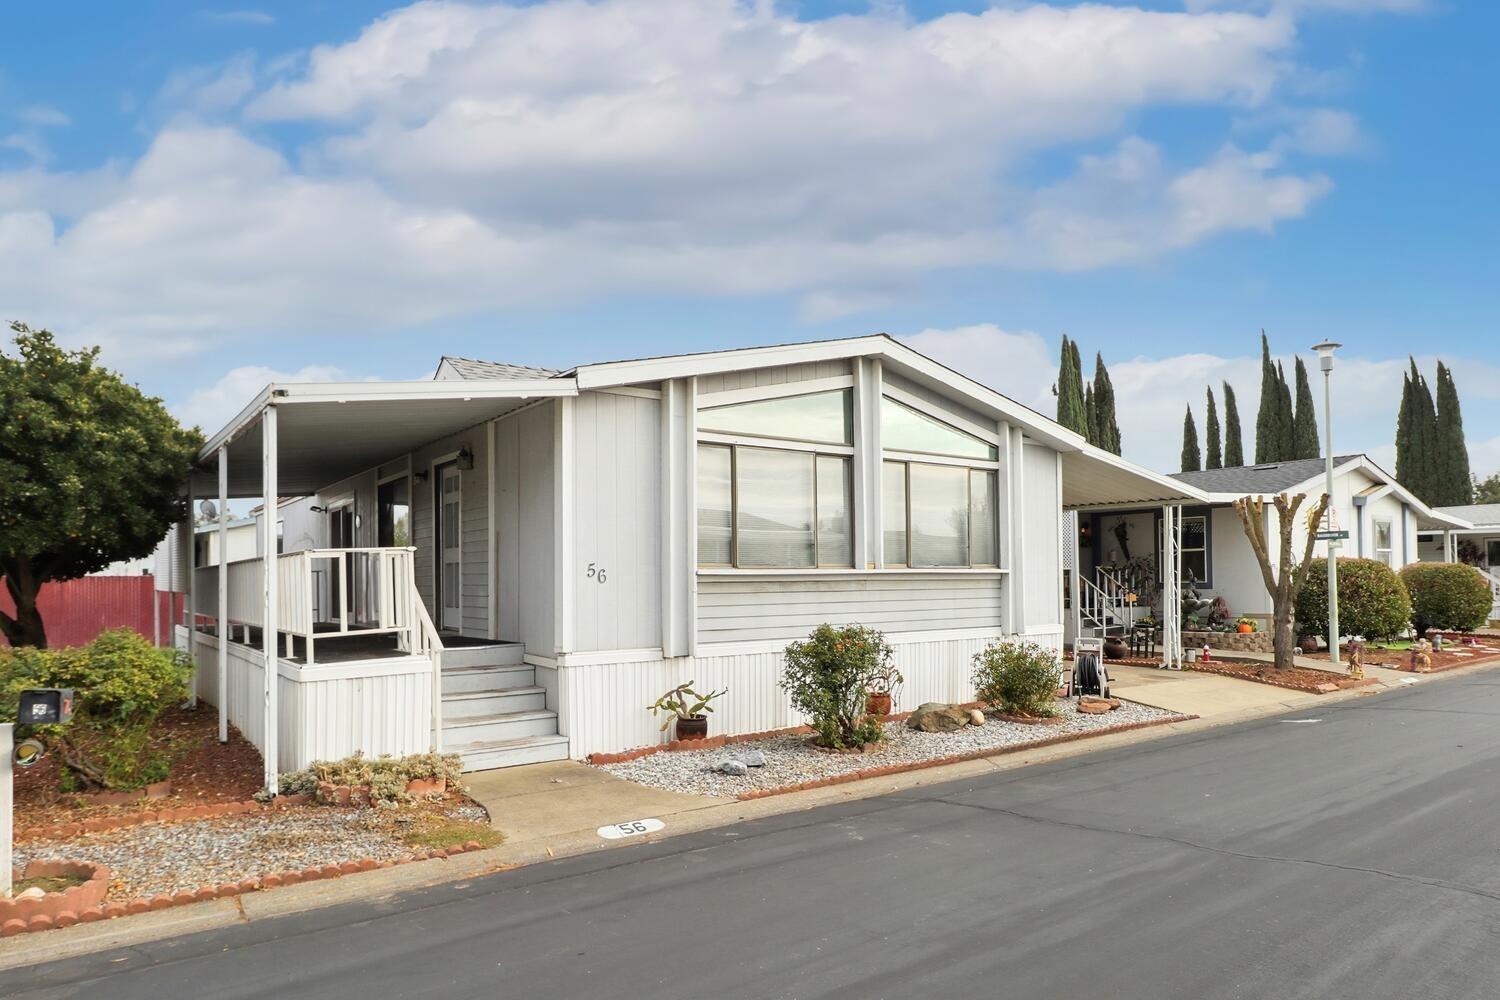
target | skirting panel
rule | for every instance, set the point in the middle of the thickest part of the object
(603, 705)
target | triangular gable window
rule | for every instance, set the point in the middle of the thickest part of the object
(905, 429)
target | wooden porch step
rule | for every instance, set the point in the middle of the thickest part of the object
(493, 701)
(498, 654)
(461, 730)
(460, 679)
(488, 755)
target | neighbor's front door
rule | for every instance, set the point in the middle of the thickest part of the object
(450, 576)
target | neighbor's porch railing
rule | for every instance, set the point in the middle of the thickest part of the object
(322, 594)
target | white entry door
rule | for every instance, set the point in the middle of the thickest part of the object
(450, 549)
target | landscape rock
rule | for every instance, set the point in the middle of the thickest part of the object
(32, 893)
(935, 717)
(753, 758)
(735, 768)
(1092, 706)
(976, 717)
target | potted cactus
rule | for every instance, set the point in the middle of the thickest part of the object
(688, 709)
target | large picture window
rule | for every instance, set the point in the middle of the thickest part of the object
(938, 515)
(767, 508)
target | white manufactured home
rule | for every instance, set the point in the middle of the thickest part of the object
(512, 563)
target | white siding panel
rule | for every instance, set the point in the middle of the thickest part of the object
(524, 535)
(617, 522)
(473, 527)
(779, 375)
(751, 609)
(603, 705)
(1040, 526)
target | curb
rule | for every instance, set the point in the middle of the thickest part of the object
(144, 904)
(922, 765)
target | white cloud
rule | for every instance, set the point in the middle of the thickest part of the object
(42, 116)
(1151, 394)
(474, 158)
(253, 17)
(212, 407)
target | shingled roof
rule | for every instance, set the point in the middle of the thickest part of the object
(1477, 514)
(1271, 477)
(469, 368)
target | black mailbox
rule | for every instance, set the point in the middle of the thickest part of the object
(45, 706)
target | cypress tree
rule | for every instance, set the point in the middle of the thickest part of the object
(1104, 405)
(1406, 459)
(1070, 411)
(1234, 449)
(1267, 437)
(1192, 459)
(1418, 466)
(1286, 431)
(1215, 455)
(1305, 420)
(1457, 487)
(1090, 414)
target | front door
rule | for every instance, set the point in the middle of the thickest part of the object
(450, 548)
(340, 536)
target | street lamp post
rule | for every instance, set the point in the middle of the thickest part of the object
(1325, 361)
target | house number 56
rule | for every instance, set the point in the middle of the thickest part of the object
(596, 572)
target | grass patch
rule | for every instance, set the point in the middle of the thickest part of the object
(1403, 645)
(48, 883)
(435, 833)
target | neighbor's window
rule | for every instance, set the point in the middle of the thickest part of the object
(1383, 541)
(1195, 548)
(768, 508)
(938, 515)
(820, 417)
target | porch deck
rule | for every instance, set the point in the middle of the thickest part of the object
(350, 648)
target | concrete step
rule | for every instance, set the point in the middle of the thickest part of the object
(460, 679)
(460, 730)
(493, 701)
(485, 756)
(498, 654)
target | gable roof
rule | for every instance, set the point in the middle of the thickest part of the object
(469, 368)
(1270, 477)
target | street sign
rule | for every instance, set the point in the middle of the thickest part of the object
(1332, 536)
(45, 706)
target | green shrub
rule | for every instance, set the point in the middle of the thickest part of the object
(829, 677)
(1447, 596)
(121, 684)
(1373, 601)
(1017, 677)
(385, 776)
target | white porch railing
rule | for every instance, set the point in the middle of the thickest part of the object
(1494, 582)
(322, 594)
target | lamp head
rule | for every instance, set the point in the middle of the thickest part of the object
(1325, 354)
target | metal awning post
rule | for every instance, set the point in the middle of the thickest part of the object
(268, 635)
(192, 607)
(222, 577)
(1171, 587)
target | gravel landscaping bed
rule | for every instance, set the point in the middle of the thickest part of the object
(169, 857)
(791, 761)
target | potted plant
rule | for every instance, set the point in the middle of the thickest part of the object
(1246, 626)
(882, 697)
(688, 709)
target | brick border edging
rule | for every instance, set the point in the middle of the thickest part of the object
(1475, 662)
(922, 765)
(1344, 684)
(719, 742)
(162, 901)
(90, 892)
(74, 828)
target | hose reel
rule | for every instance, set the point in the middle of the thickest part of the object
(1089, 674)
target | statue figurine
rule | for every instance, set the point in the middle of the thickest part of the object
(1356, 652)
(1421, 656)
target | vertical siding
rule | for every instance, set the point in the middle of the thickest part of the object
(617, 521)
(779, 375)
(603, 704)
(524, 535)
(473, 527)
(1041, 523)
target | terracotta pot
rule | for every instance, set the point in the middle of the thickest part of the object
(693, 728)
(1116, 648)
(1246, 629)
(878, 703)
(1308, 644)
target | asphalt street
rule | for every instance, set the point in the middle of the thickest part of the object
(1344, 852)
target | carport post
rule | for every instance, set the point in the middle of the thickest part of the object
(192, 596)
(268, 617)
(222, 576)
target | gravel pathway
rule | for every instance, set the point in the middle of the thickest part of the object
(165, 858)
(790, 761)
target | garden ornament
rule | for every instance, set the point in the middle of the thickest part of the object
(1356, 653)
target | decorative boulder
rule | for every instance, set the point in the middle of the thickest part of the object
(753, 758)
(935, 717)
(734, 768)
(976, 717)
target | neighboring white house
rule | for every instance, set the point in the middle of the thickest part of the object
(1383, 520)
(565, 546)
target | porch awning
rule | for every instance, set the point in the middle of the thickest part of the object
(1094, 479)
(327, 431)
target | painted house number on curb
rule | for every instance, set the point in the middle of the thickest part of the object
(631, 828)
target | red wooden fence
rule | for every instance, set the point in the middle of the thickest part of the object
(76, 611)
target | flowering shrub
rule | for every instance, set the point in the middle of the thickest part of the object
(828, 677)
(385, 776)
(1017, 677)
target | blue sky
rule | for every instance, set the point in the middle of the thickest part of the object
(220, 195)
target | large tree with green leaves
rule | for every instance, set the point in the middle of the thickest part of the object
(1069, 389)
(1192, 458)
(1305, 418)
(1215, 457)
(91, 471)
(1487, 490)
(1454, 484)
(1234, 448)
(1106, 424)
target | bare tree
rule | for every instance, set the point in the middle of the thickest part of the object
(1284, 587)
